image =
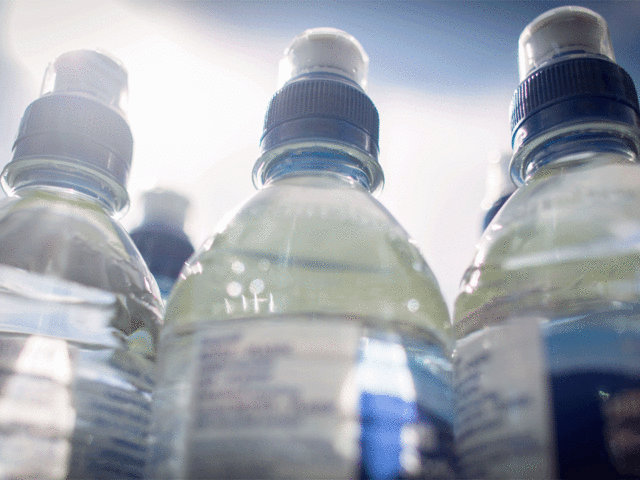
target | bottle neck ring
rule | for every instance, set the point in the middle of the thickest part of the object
(319, 128)
(50, 173)
(576, 145)
(313, 158)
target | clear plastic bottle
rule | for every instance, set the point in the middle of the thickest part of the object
(308, 338)
(161, 239)
(80, 309)
(547, 320)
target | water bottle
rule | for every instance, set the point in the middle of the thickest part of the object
(79, 310)
(547, 321)
(161, 239)
(499, 186)
(308, 338)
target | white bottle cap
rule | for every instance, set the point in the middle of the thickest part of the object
(324, 50)
(165, 207)
(90, 73)
(562, 31)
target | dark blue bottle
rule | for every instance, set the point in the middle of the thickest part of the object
(161, 238)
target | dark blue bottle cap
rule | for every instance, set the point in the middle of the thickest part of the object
(322, 108)
(576, 89)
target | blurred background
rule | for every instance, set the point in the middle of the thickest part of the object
(201, 74)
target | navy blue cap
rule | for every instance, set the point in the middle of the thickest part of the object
(322, 108)
(576, 89)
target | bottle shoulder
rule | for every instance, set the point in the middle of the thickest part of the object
(312, 207)
(325, 222)
(566, 242)
(311, 245)
(73, 239)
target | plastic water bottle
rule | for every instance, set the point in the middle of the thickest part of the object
(79, 310)
(499, 186)
(308, 338)
(161, 238)
(547, 320)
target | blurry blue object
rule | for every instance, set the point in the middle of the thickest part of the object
(499, 186)
(161, 238)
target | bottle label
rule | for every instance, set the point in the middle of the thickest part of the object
(301, 397)
(503, 415)
(275, 401)
(594, 372)
(540, 399)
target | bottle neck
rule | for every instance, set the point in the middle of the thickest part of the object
(573, 148)
(313, 160)
(56, 175)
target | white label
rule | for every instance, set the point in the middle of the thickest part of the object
(278, 399)
(503, 403)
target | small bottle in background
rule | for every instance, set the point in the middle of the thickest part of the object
(161, 238)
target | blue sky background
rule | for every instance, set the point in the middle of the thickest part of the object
(201, 75)
(427, 44)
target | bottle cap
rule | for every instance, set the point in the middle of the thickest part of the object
(165, 207)
(95, 74)
(324, 51)
(80, 122)
(561, 32)
(570, 83)
(322, 104)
